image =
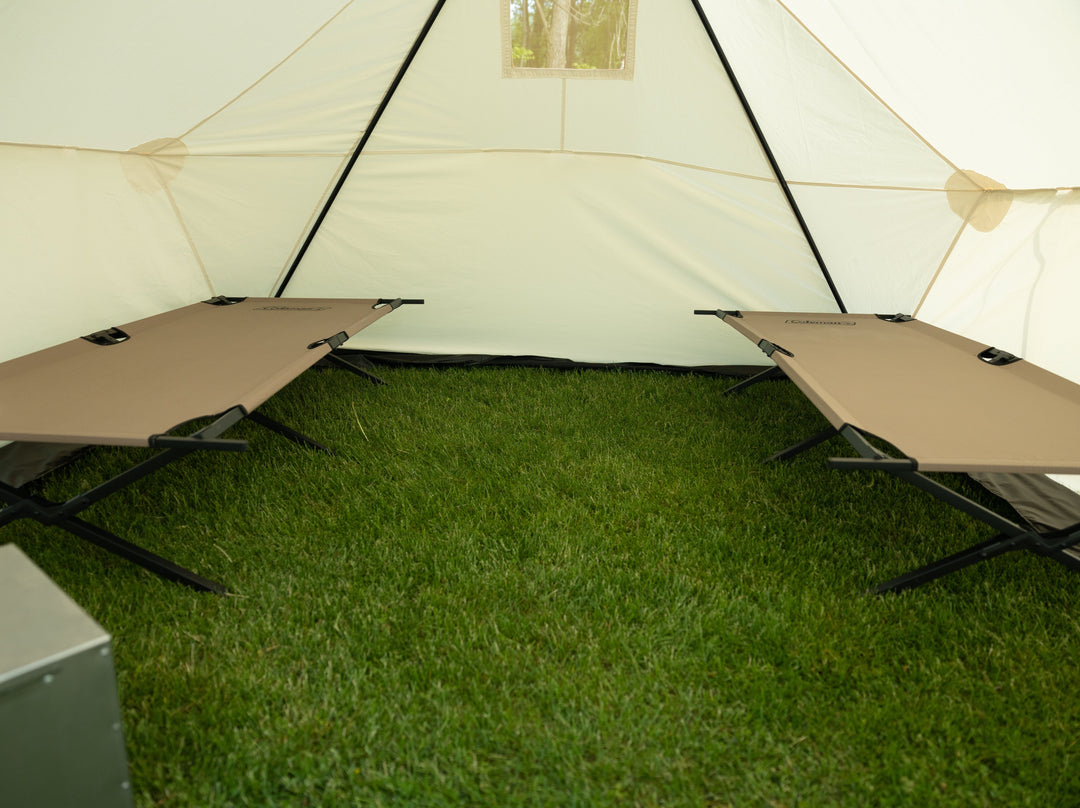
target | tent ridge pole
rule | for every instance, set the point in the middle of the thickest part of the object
(372, 124)
(769, 154)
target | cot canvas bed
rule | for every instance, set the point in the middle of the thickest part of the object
(154, 382)
(946, 403)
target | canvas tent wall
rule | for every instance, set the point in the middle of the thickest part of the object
(156, 154)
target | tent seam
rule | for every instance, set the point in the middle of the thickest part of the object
(867, 87)
(323, 199)
(660, 160)
(269, 72)
(562, 118)
(212, 155)
(183, 226)
(577, 152)
(941, 265)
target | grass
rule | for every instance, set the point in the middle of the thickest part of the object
(522, 587)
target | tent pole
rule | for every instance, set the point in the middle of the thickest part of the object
(769, 154)
(360, 146)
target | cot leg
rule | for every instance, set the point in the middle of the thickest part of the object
(965, 558)
(288, 432)
(53, 513)
(802, 446)
(21, 505)
(1052, 546)
(772, 373)
(1011, 536)
(138, 555)
(338, 361)
(16, 510)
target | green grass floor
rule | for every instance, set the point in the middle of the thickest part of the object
(532, 587)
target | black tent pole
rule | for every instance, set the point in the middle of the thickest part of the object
(408, 61)
(360, 146)
(769, 155)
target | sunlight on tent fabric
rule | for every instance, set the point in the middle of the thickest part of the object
(124, 72)
(874, 110)
(984, 82)
(1016, 286)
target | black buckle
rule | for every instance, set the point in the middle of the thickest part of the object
(222, 300)
(997, 357)
(109, 336)
(334, 342)
(769, 348)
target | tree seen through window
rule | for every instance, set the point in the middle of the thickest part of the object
(570, 34)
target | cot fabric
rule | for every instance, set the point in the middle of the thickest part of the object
(196, 361)
(926, 391)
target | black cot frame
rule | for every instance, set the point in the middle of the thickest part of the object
(22, 504)
(1010, 535)
(64, 515)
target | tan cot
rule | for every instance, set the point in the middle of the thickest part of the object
(143, 383)
(127, 386)
(947, 403)
(926, 391)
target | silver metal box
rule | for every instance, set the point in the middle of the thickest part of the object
(61, 736)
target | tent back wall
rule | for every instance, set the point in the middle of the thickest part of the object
(588, 214)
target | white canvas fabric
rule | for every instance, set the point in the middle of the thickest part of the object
(155, 155)
(582, 220)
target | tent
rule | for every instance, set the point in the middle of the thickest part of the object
(800, 155)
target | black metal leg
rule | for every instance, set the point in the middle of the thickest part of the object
(16, 510)
(802, 446)
(138, 555)
(337, 361)
(1069, 560)
(1011, 536)
(772, 373)
(288, 432)
(957, 561)
(61, 514)
(905, 470)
